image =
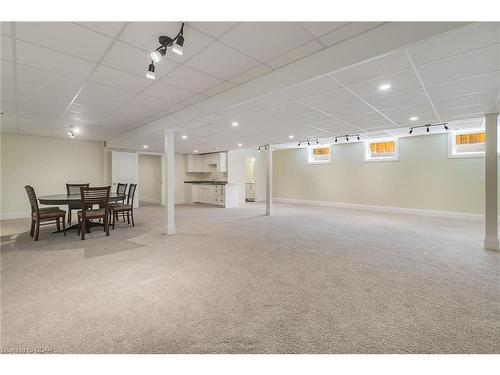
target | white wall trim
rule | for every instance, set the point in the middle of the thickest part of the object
(400, 210)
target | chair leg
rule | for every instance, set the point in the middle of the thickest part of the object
(132, 214)
(106, 224)
(123, 215)
(114, 216)
(32, 229)
(37, 229)
(58, 224)
(69, 216)
(128, 218)
(64, 224)
(83, 229)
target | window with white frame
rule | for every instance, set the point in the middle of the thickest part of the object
(382, 150)
(319, 154)
(467, 143)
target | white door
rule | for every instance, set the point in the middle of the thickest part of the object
(125, 169)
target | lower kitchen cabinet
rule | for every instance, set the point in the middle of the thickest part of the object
(220, 195)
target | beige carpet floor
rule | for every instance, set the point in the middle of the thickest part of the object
(305, 280)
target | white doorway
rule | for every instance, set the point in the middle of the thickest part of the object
(250, 187)
(125, 169)
(150, 178)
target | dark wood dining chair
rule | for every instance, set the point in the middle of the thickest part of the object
(121, 189)
(43, 214)
(73, 189)
(127, 208)
(91, 196)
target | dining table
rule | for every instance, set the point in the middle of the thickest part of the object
(65, 199)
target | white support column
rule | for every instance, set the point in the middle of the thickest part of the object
(169, 177)
(269, 181)
(491, 241)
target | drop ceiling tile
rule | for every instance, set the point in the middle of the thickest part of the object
(321, 28)
(190, 79)
(224, 86)
(109, 28)
(265, 41)
(269, 100)
(348, 31)
(402, 115)
(6, 52)
(330, 99)
(358, 107)
(8, 85)
(49, 79)
(467, 100)
(7, 96)
(135, 61)
(193, 124)
(145, 35)
(214, 29)
(456, 42)
(288, 109)
(310, 118)
(377, 124)
(336, 126)
(64, 37)
(400, 82)
(296, 54)
(7, 69)
(118, 79)
(222, 61)
(312, 87)
(167, 92)
(481, 61)
(6, 28)
(413, 97)
(52, 61)
(237, 110)
(388, 64)
(251, 74)
(151, 102)
(194, 99)
(480, 83)
(469, 111)
(211, 118)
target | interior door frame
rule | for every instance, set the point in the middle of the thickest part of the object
(162, 171)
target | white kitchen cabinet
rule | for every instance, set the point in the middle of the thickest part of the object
(205, 167)
(225, 195)
(222, 162)
(193, 163)
(250, 191)
(206, 162)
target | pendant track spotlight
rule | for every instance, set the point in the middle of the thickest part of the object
(357, 137)
(347, 138)
(427, 127)
(336, 139)
(165, 43)
(411, 131)
(445, 127)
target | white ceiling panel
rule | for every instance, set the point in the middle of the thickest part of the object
(46, 78)
(321, 28)
(99, 92)
(400, 82)
(269, 100)
(330, 99)
(55, 62)
(167, 92)
(347, 31)
(480, 83)
(288, 109)
(211, 118)
(413, 97)
(109, 28)
(469, 111)
(480, 61)
(135, 61)
(468, 100)
(151, 102)
(251, 74)
(265, 41)
(6, 28)
(377, 124)
(118, 79)
(312, 87)
(222, 61)
(310, 118)
(190, 79)
(193, 124)
(336, 127)
(402, 115)
(457, 42)
(214, 29)
(295, 54)
(6, 43)
(7, 69)
(224, 86)
(64, 37)
(388, 64)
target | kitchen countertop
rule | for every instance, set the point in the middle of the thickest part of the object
(207, 182)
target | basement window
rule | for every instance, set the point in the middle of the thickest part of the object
(319, 155)
(382, 150)
(464, 144)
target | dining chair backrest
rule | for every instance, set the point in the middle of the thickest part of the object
(95, 195)
(131, 193)
(121, 189)
(74, 188)
(32, 199)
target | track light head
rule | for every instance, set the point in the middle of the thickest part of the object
(308, 143)
(178, 47)
(336, 139)
(427, 128)
(157, 55)
(317, 142)
(298, 145)
(151, 72)
(445, 127)
(357, 137)
(411, 131)
(347, 138)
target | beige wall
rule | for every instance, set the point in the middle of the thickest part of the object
(47, 164)
(424, 178)
(150, 178)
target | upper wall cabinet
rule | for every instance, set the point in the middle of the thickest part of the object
(207, 162)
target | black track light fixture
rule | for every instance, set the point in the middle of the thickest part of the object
(336, 139)
(445, 127)
(357, 137)
(317, 141)
(298, 145)
(347, 138)
(411, 131)
(308, 143)
(427, 128)
(165, 43)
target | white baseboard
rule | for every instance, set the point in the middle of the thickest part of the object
(400, 210)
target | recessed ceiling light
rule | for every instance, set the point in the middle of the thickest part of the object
(239, 145)
(145, 146)
(195, 151)
(76, 130)
(70, 133)
(384, 87)
(184, 137)
(234, 123)
(291, 136)
(414, 118)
